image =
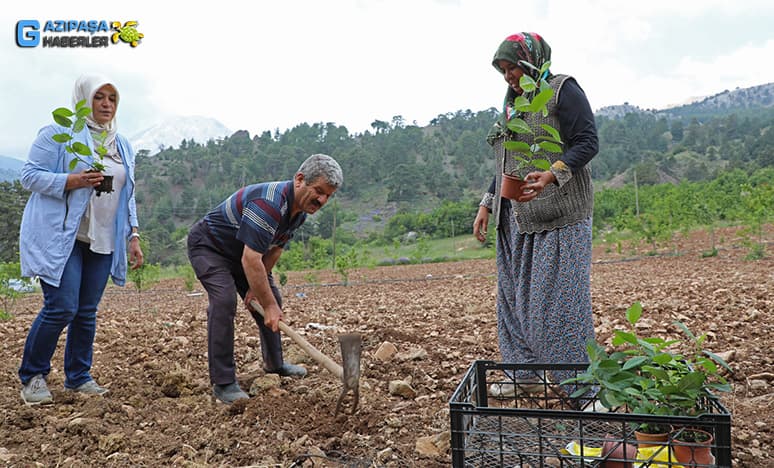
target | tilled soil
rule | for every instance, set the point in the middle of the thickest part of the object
(150, 351)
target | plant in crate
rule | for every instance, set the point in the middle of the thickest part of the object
(528, 155)
(643, 376)
(64, 117)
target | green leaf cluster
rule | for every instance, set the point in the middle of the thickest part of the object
(548, 141)
(644, 376)
(75, 120)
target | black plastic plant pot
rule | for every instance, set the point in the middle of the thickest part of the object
(106, 186)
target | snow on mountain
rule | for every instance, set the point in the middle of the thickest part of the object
(172, 131)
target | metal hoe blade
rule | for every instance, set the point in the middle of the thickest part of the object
(350, 358)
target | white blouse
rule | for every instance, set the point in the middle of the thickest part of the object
(98, 225)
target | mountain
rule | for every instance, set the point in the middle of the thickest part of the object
(10, 168)
(620, 110)
(756, 97)
(170, 132)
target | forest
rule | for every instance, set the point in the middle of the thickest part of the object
(691, 169)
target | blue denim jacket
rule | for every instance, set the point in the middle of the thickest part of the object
(53, 214)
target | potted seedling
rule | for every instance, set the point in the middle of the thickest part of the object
(528, 152)
(643, 376)
(76, 122)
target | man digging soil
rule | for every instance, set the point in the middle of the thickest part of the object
(233, 250)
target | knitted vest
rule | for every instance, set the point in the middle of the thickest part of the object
(556, 206)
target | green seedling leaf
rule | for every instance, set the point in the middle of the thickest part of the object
(521, 103)
(718, 359)
(632, 391)
(694, 380)
(542, 164)
(527, 83)
(657, 372)
(518, 126)
(545, 67)
(80, 104)
(708, 364)
(547, 138)
(550, 147)
(62, 120)
(576, 393)
(83, 112)
(622, 337)
(81, 149)
(662, 358)
(72, 164)
(529, 66)
(685, 329)
(609, 364)
(69, 149)
(62, 112)
(540, 101)
(79, 124)
(700, 340)
(98, 166)
(635, 362)
(519, 146)
(552, 131)
(634, 312)
(720, 386)
(620, 355)
(609, 401)
(61, 138)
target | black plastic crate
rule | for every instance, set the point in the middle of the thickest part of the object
(540, 426)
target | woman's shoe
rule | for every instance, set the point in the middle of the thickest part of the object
(522, 386)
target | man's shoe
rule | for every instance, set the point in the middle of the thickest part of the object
(89, 388)
(229, 393)
(288, 370)
(35, 392)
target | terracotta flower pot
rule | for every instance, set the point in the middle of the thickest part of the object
(616, 454)
(647, 439)
(511, 187)
(694, 452)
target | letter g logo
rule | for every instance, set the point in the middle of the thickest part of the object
(27, 33)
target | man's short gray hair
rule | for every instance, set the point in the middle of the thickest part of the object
(322, 165)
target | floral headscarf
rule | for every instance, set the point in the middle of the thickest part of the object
(520, 49)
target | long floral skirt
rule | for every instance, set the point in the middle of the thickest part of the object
(544, 295)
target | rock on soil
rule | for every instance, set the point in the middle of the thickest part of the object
(151, 353)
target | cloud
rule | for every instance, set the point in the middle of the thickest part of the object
(265, 65)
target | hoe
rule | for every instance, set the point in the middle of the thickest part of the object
(350, 358)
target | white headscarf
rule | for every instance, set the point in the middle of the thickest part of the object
(86, 86)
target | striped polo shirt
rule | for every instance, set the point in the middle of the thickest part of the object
(257, 216)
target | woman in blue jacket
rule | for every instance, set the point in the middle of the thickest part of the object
(73, 240)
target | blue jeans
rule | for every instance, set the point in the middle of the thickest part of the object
(73, 305)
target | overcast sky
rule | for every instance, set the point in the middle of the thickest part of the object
(262, 65)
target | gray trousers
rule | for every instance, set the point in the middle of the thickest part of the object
(223, 280)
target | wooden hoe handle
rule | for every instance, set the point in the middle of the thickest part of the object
(313, 352)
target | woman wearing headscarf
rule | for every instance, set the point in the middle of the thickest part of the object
(73, 240)
(544, 237)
